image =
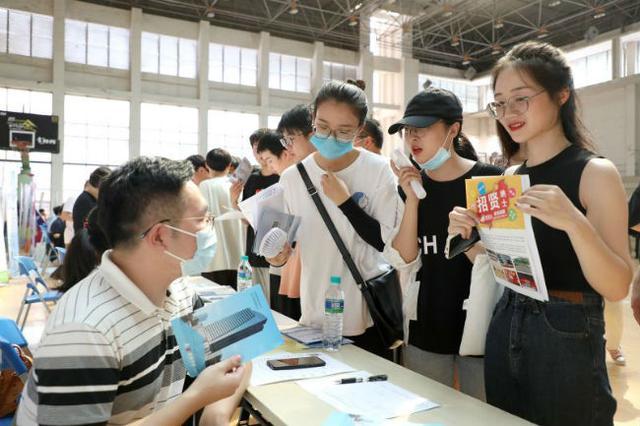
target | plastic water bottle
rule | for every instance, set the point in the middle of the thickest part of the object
(244, 274)
(333, 313)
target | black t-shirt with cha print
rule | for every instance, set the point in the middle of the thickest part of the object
(444, 283)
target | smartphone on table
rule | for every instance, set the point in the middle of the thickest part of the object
(294, 363)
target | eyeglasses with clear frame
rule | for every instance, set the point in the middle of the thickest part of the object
(518, 104)
(408, 131)
(344, 136)
(208, 218)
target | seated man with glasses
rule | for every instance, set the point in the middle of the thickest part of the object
(108, 353)
(370, 137)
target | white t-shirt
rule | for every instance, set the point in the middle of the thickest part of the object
(68, 230)
(373, 185)
(230, 233)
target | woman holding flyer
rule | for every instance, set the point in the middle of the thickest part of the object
(442, 159)
(545, 361)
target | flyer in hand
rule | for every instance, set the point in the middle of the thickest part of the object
(241, 324)
(507, 233)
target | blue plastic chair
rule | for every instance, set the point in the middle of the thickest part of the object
(9, 359)
(10, 331)
(37, 290)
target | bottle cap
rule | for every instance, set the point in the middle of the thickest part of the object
(244, 258)
(335, 280)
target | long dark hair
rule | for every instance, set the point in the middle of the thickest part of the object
(461, 143)
(84, 252)
(548, 67)
(348, 93)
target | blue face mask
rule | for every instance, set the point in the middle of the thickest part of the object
(206, 243)
(440, 157)
(330, 147)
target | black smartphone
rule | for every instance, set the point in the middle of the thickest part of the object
(294, 363)
(456, 244)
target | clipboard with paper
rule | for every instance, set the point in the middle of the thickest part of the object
(507, 233)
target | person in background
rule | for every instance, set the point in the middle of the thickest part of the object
(89, 197)
(108, 354)
(235, 162)
(201, 171)
(84, 253)
(67, 216)
(296, 127)
(216, 191)
(57, 227)
(261, 178)
(371, 137)
(285, 282)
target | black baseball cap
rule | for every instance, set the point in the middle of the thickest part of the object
(429, 106)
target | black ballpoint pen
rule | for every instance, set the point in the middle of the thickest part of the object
(350, 380)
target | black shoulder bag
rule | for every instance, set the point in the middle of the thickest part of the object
(382, 293)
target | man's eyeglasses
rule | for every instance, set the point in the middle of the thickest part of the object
(518, 104)
(342, 135)
(209, 220)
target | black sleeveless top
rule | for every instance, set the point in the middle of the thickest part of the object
(444, 283)
(560, 264)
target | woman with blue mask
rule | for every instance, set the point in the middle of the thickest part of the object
(352, 183)
(435, 287)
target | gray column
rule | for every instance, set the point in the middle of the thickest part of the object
(57, 160)
(616, 58)
(317, 67)
(263, 77)
(135, 83)
(203, 87)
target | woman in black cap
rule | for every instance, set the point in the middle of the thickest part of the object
(443, 158)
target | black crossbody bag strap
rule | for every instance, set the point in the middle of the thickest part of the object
(330, 225)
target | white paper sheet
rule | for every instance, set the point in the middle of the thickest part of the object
(378, 400)
(269, 197)
(263, 375)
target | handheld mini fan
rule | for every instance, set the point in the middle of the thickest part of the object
(273, 242)
(401, 160)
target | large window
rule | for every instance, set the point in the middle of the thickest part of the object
(386, 117)
(591, 65)
(385, 34)
(168, 131)
(289, 73)
(27, 34)
(40, 162)
(336, 71)
(95, 44)
(468, 93)
(231, 130)
(273, 121)
(96, 133)
(233, 65)
(387, 88)
(631, 53)
(167, 55)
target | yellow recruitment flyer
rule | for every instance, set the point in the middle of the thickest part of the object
(507, 233)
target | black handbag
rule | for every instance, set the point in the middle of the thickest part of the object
(382, 293)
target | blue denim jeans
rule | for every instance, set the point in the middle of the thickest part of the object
(545, 361)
